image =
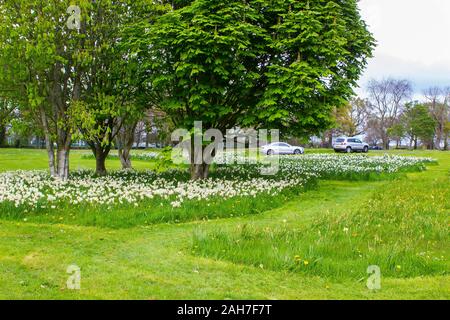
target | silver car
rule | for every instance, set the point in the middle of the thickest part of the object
(350, 145)
(281, 148)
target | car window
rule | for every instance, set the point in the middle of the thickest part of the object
(340, 140)
(351, 140)
(358, 141)
(284, 145)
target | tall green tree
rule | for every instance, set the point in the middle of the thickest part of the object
(64, 63)
(282, 64)
(42, 61)
(397, 132)
(419, 124)
(110, 101)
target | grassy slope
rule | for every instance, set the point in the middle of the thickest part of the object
(156, 262)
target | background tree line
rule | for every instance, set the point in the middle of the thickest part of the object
(388, 115)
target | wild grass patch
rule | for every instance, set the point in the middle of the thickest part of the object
(403, 229)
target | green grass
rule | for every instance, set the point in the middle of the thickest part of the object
(34, 159)
(160, 261)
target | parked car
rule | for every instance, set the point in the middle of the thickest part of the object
(375, 148)
(350, 145)
(281, 148)
(140, 145)
(79, 145)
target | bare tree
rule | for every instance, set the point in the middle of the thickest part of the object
(386, 102)
(372, 131)
(438, 104)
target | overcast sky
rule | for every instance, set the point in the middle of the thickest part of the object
(413, 39)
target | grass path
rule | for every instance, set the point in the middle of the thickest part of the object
(155, 262)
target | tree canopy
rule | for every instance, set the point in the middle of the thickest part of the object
(283, 63)
(418, 123)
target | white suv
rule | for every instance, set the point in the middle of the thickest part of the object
(350, 145)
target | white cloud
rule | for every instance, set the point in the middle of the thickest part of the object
(413, 41)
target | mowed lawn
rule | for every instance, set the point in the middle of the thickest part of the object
(169, 261)
(33, 159)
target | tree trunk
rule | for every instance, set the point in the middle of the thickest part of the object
(51, 155)
(415, 144)
(101, 154)
(330, 139)
(100, 164)
(199, 171)
(62, 159)
(64, 141)
(439, 137)
(125, 158)
(2, 136)
(386, 144)
(48, 143)
(125, 139)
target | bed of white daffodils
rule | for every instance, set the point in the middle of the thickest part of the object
(341, 164)
(36, 189)
(326, 165)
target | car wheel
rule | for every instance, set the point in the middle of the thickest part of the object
(348, 150)
(366, 149)
(270, 152)
(297, 151)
